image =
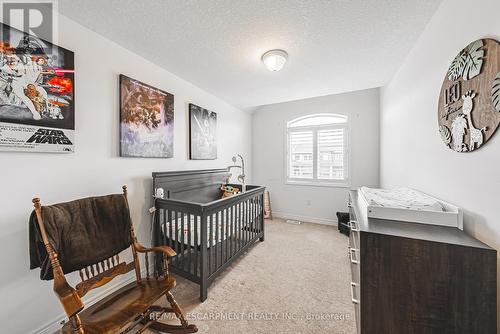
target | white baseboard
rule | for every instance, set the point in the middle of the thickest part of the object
(305, 219)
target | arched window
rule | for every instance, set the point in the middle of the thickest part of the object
(317, 150)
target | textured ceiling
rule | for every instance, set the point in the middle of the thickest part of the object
(334, 46)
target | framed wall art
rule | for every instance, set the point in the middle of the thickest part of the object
(469, 102)
(146, 120)
(202, 133)
(37, 109)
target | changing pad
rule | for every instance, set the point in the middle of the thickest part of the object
(401, 198)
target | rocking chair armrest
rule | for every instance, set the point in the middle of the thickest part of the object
(67, 295)
(169, 252)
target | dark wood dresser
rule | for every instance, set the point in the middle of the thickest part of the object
(416, 279)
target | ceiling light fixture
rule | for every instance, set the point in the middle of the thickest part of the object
(275, 59)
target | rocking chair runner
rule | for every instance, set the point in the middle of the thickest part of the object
(124, 309)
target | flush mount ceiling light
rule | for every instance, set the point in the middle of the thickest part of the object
(275, 59)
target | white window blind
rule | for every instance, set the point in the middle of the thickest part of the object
(317, 151)
(301, 154)
(331, 146)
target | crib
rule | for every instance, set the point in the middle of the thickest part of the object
(207, 232)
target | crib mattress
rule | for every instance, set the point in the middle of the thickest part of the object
(183, 228)
(408, 205)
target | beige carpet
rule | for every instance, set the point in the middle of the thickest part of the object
(297, 281)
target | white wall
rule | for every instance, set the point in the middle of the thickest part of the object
(269, 149)
(28, 303)
(412, 153)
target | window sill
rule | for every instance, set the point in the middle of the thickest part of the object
(318, 184)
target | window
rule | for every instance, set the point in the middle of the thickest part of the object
(317, 150)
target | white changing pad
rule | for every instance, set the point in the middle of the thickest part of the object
(401, 198)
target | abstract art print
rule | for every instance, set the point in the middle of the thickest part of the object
(202, 133)
(37, 110)
(146, 120)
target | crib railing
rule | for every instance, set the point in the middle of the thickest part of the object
(208, 237)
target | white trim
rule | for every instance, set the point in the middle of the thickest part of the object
(305, 219)
(56, 323)
(300, 182)
(344, 118)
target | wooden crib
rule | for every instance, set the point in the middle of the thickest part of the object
(206, 231)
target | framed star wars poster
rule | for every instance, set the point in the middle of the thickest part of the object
(37, 110)
(202, 133)
(146, 120)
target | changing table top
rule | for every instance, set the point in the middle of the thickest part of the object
(435, 233)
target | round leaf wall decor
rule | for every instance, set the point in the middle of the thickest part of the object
(469, 103)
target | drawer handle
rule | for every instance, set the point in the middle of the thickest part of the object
(354, 300)
(353, 251)
(353, 226)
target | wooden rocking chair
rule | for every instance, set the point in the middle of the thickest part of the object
(130, 306)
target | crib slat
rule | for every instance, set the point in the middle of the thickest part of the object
(213, 224)
(226, 225)
(242, 221)
(219, 236)
(231, 229)
(188, 243)
(209, 244)
(166, 227)
(261, 212)
(183, 228)
(256, 214)
(240, 224)
(254, 221)
(236, 225)
(217, 249)
(195, 245)
(247, 215)
(176, 232)
(249, 220)
(252, 218)
(245, 223)
(261, 215)
(163, 220)
(251, 208)
(257, 228)
(221, 220)
(252, 224)
(247, 210)
(171, 228)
